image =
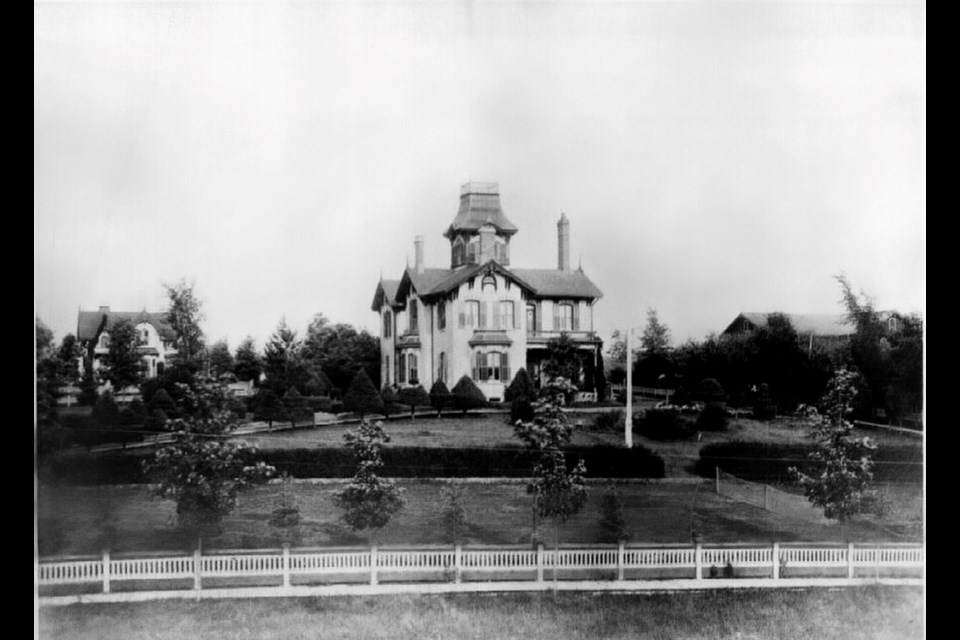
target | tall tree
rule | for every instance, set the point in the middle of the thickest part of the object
(369, 501)
(563, 360)
(201, 470)
(185, 316)
(841, 473)
(656, 335)
(247, 362)
(220, 359)
(123, 367)
(283, 361)
(866, 352)
(339, 350)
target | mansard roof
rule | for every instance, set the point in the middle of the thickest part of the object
(479, 206)
(91, 323)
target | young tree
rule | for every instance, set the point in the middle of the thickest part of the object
(454, 517)
(414, 397)
(563, 359)
(466, 395)
(362, 396)
(220, 359)
(369, 501)
(185, 316)
(247, 364)
(841, 474)
(122, 365)
(202, 470)
(440, 397)
(295, 405)
(269, 407)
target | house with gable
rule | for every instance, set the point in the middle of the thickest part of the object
(480, 317)
(155, 337)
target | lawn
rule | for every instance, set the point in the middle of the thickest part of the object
(82, 520)
(868, 613)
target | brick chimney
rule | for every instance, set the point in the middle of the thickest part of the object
(104, 309)
(418, 253)
(563, 243)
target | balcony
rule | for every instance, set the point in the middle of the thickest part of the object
(490, 337)
(580, 337)
(408, 340)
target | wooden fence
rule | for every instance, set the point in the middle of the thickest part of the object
(622, 567)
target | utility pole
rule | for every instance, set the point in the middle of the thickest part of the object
(628, 423)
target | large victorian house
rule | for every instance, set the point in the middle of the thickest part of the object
(155, 336)
(480, 317)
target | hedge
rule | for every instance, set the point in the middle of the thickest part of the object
(400, 462)
(769, 462)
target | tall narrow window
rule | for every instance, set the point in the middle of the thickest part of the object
(414, 320)
(506, 314)
(442, 315)
(386, 370)
(402, 368)
(458, 251)
(472, 252)
(531, 318)
(412, 364)
(471, 312)
(387, 324)
(442, 369)
(563, 317)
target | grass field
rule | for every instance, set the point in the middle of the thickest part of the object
(874, 613)
(81, 520)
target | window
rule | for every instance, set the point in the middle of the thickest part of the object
(500, 253)
(414, 320)
(104, 340)
(442, 315)
(506, 315)
(489, 283)
(413, 378)
(458, 251)
(442, 369)
(386, 370)
(472, 252)
(491, 367)
(532, 318)
(387, 324)
(144, 337)
(402, 368)
(563, 317)
(892, 324)
(471, 313)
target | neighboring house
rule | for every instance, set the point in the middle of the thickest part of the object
(239, 389)
(813, 329)
(480, 317)
(155, 336)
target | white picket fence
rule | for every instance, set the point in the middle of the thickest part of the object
(446, 569)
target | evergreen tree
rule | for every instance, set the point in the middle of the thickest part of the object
(185, 315)
(414, 397)
(466, 395)
(220, 360)
(440, 397)
(362, 396)
(247, 364)
(122, 364)
(389, 397)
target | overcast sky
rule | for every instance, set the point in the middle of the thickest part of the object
(712, 157)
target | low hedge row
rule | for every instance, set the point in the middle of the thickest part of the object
(399, 462)
(768, 462)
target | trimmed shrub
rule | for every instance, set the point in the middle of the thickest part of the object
(440, 397)
(389, 397)
(414, 397)
(522, 387)
(712, 418)
(466, 395)
(660, 424)
(362, 396)
(609, 421)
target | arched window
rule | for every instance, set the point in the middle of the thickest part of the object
(387, 324)
(458, 251)
(104, 340)
(489, 283)
(414, 319)
(532, 318)
(472, 252)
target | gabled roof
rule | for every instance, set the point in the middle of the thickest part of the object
(91, 323)
(817, 324)
(479, 206)
(423, 283)
(553, 283)
(386, 294)
(459, 276)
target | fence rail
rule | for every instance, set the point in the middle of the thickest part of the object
(473, 569)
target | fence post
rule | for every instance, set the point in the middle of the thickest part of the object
(106, 571)
(458, 562)
(850, 566)
(373, 564)
(776, 560)
(698, 561)
(876, 564)
(717, 469)
(286, 564)
(196, 571)
(620, 561)
(540, 563)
